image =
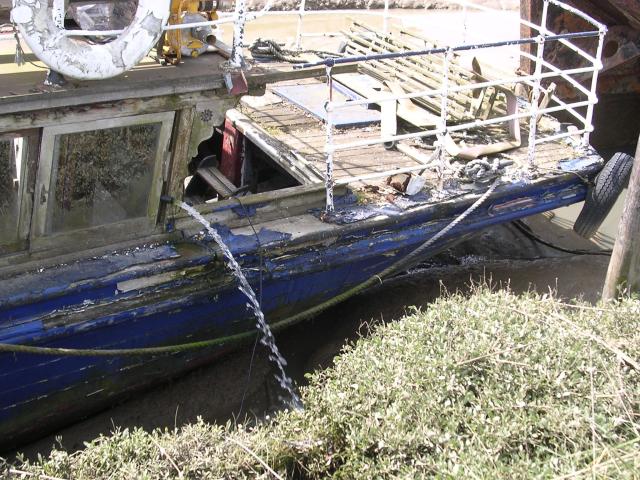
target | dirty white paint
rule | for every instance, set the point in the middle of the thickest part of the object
(81, 60)
(58, 12)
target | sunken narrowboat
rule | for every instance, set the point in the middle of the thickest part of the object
(322, 171)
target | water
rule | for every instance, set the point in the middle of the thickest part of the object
(266, 335)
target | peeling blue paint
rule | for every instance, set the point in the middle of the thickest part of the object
(297, 273)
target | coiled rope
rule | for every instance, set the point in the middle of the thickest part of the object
(265, 48)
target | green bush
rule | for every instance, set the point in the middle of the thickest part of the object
(487, 386)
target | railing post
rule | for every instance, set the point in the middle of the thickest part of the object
(385, 18)
(240, 17)
(537, 88)
(299, 29)
(59, 11)
(328, 179)
(465, 18)
(594, 95)
(444, 111)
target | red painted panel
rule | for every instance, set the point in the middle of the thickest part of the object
(231, 159)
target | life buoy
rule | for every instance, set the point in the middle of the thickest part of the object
(82, 60)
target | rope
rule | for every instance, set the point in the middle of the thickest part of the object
(526, 230)
(483, 170)
(267, 48)
(411, 258)
(19, 58)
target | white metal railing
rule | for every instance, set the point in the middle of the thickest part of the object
(543, 70)
(534, 80)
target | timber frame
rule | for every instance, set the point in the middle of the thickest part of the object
(196, 104)
(178, 138)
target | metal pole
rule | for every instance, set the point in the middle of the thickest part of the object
(238, 33)
(329, 147)
(537, 88)
(594, 84)
(464, 23)
(444, 111)
(385, 18)
(430, 51)
(59, 11)
(299, 31)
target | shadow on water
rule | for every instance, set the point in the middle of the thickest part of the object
(242, 384)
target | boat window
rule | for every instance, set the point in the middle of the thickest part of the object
(103, 176)
(12, 176)
(93, 177)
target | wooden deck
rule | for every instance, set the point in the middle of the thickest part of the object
(298, 143)
(305, 135)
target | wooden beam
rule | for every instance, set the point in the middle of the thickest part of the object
(179, 166)
(5, 8)
(530, 10)
(97, 111)
(624, 268)
(216, 180)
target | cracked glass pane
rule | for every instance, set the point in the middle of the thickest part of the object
(10, 166)
(103, 176)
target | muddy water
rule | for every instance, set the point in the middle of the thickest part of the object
(242, 385)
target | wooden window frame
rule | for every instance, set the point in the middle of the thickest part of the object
(41, 236)
(28, 153)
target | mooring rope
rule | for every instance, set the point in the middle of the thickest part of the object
(271, 49)
(411, 258)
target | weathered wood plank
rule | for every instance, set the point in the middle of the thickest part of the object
(278, 151)
(178, 167)
(122, 108)
(530, 10)
(624, 268)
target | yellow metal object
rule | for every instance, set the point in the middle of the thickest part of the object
(190, 41)
(179, 6)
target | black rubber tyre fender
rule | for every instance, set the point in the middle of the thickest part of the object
(601, 196)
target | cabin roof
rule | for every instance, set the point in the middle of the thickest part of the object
(22, 88)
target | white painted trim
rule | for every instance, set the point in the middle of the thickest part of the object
(79, 59)
(45, 181)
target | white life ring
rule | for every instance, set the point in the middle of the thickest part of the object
(79, 59)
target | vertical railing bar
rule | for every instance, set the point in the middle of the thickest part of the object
(560, 72)
(594, 84)
(240, 17)
(300, 18)
(329, 146)
(465, 18)
(59, 11)
(385, 18)
(444, 107)
(537, 87)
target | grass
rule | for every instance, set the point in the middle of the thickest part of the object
(488, 386)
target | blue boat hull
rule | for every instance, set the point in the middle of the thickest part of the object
(97, 304)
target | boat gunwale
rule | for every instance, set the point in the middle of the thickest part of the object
(324, 231)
